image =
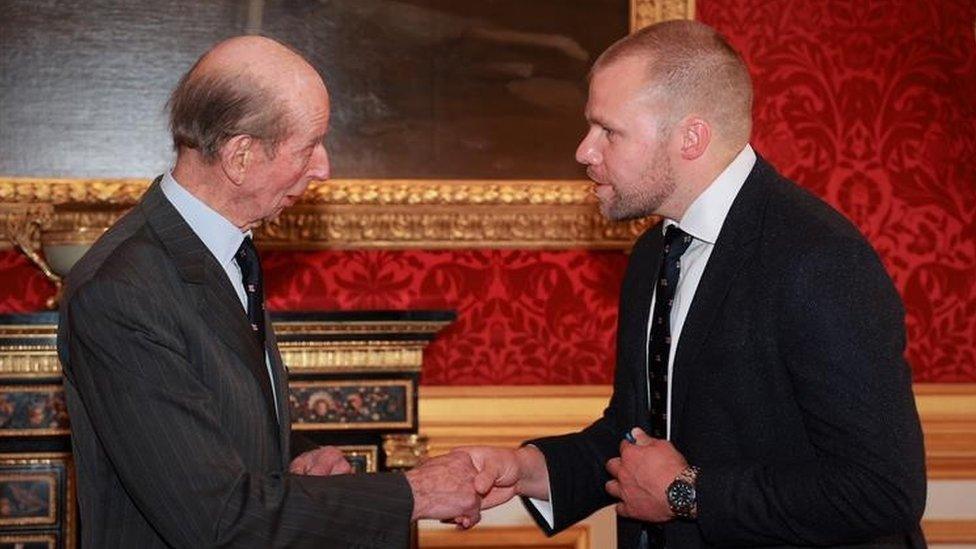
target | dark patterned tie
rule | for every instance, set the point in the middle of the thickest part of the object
(247, 259)
(676, 242)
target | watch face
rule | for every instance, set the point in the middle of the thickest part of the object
(681, 497)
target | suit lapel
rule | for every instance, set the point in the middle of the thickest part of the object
(648, 263)
(217, 302)
(740, 229)
(281, 391)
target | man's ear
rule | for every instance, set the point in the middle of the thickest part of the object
(235, 157)
(695, 134)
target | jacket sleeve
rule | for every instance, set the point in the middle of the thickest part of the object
(841, 339)
(577, 462)
(158, 425)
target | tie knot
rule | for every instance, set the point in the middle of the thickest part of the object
(676, 241)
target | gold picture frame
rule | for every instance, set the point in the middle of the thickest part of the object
(360, 213)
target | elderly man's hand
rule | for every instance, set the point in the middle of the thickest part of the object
(443, 488)
(641, 476)
(322, 461)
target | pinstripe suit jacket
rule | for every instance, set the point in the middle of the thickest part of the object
(174, 441)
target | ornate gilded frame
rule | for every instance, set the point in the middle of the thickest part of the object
(345, 214)
(64, 510)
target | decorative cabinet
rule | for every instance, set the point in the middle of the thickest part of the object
(353, 384)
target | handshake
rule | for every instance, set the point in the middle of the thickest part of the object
(457, 486)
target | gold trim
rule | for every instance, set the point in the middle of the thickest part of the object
(364, 426)
(365, 213)
(353, 356)
(345, 327)
(486, 537)
(17, 539)
(29, 362)
(52, 458)
(8, 432)
(28, 330)
(644, 13)
(52, 482)
(506, 416)
(369, 452)
(40, 361)
(405, 451)
(948, 413)
(949, 531)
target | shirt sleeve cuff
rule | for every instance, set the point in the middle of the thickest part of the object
(544, 508)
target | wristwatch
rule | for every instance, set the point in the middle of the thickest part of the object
(682, 496)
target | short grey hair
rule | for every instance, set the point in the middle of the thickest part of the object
(209, 107)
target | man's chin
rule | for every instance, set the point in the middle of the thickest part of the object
(610, 211)
(613, 212)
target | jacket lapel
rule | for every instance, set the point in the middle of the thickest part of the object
(638, 292)
(281, 391)
(741, 227)
(217, 302)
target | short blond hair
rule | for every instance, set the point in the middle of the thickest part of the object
(694, 70)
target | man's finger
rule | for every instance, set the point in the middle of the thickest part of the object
(484, 481)
(613, 467)
(613, 488)
(497, 496)
(641, 438)
(300, 465)
(341, 467)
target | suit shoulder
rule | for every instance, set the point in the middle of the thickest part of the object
(798, 220)
(805, 238)
(138, 261)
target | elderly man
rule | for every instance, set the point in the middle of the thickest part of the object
(174, 382)
(760, 396)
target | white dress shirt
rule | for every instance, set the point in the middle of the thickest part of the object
(221, 237)
(702, 220)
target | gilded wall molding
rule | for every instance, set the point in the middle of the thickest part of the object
(314, 347)
(357, 214)
(508, 415)
(648, 12)
(950, 531)
(492, 536)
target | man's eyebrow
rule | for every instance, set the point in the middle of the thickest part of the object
(598, 120)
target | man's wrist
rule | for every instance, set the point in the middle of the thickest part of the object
(533, 476)
(682, 494)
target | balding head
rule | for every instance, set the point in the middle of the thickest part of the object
(245, 85)
(691, 69)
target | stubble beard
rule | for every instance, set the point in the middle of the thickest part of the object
(657, 185)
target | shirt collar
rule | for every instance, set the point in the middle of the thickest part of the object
(219, 235)
(705, 216)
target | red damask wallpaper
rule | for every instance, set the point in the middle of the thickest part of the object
(869, 104)
(524, 317)
(872, 105)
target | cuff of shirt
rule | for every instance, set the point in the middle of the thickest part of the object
(544, 508)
